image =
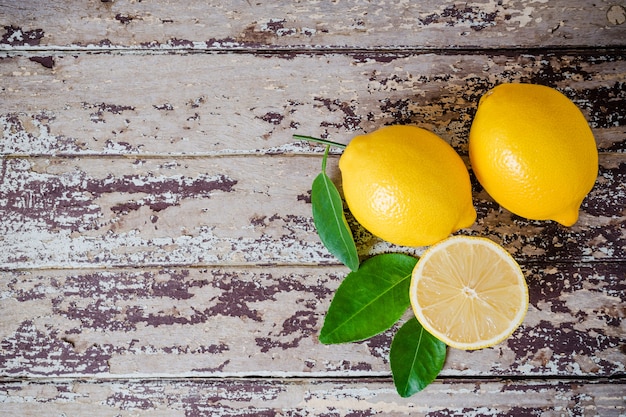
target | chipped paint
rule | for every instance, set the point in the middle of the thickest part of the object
(238, 322)
(253, 397)
(124, 212)
(361, 93)
(15, 36)
(158, 251)
(348, 24)
(473, 17)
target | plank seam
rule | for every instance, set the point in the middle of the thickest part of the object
(309, 50)
(612, 379)
(111, 267)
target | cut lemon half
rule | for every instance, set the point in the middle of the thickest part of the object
(468, 292)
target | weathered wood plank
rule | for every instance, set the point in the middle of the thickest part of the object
(223, 104)
(222, 322)
(363, 397)
(103, 212)
(155, 219)
(262, 24)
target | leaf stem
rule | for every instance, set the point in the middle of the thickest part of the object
(318, 140)
(325, 158)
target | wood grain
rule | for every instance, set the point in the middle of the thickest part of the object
(296, 397)
(349, 24)
(157, 251)
(254, 103)
(104, 212)
(264, 321)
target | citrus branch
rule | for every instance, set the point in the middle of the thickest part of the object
(318, 140)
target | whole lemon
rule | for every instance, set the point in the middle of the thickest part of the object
(533, 152)
(406, 185)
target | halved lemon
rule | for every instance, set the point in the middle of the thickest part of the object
(469, 292)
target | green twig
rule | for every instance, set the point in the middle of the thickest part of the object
(318, 140)
(324, 159)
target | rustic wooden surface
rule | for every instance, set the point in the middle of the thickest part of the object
(158, 256)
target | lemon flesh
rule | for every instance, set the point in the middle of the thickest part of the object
(406, 185)
(468, 292)
(533, 152)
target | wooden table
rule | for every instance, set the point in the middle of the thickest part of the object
(158, 255)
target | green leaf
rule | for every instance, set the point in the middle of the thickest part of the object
(370, 300)
(416, 358)
(330, 221)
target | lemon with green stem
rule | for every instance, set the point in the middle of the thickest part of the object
(406, 185)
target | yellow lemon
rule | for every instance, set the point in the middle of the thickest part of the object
(406, 185)
(533, 152)
(468, 292)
